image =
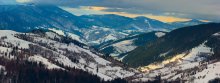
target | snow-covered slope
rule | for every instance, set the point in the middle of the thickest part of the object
(121, 47)
(193, 66)
(160, 34)
(40, 59)
(58, 52)
(98, 35)
(71, 35)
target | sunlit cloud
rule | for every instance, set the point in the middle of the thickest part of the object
(95, 8)
(166, 10)
(86, 10)
(23, 1)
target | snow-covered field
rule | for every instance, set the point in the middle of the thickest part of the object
(44, 61)
(121, 47)
(98, 35)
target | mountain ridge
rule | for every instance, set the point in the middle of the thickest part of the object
(28, 17)
(176, 40)
(58, 52)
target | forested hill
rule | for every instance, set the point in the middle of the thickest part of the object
(175, 42)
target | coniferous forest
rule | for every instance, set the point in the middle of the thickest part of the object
(32, 72)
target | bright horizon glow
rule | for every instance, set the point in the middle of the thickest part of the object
(163, 10)
(85, 10)
(23, 1)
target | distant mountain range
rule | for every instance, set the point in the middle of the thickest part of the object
(92, 29)
(187, 23)
(45, 40)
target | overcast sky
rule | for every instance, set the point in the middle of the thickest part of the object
(195, 9)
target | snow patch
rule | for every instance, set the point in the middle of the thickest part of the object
(160, 34)
(210, 73)
(60, 32)
(13, 40)
(216, 34)
(75, 37)
(183, 58)
(40, 59)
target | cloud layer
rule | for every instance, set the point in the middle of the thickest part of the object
(198, 9)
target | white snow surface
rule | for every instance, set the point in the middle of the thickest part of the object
(40, 59)
(121, 47)
(97, 35)
(2, 67)
(88, 61)
(160, 34)
(52, 35)
(210, 73)
(216, 34)
(13, 40)
(60, 32)
(183, 62)
(76, 37)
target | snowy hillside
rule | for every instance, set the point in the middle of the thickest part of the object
(121, 47)
(193, 66)
(58, 52)
(97, 35)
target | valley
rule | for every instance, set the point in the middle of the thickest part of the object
(59, 46)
